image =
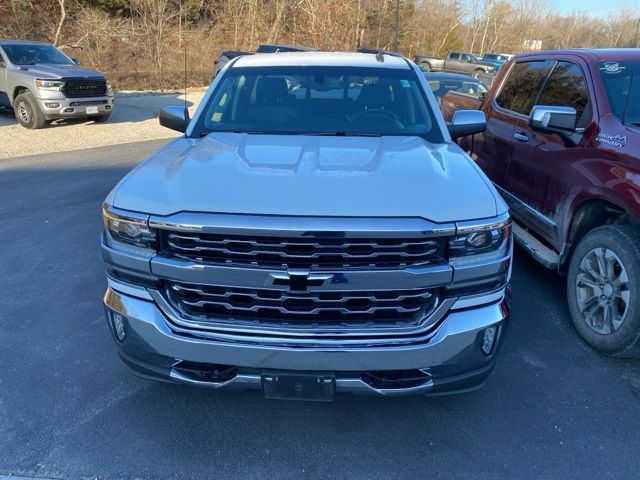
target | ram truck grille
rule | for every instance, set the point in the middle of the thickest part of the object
(300, 252)
(306, 309)
(85, 88)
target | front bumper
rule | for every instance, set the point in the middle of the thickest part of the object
(451, 360)
(58, 106)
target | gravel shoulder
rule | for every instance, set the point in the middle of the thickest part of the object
(134, 119)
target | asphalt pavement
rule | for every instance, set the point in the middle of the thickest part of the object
(69, 409)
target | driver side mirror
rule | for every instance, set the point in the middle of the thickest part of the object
(174, 118)
(467, 122)
(552, 119)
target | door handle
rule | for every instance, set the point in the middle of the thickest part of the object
(521, 136)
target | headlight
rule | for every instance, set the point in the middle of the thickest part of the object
(128, 231)
(480, 240)
(109, 88)
(49, 84)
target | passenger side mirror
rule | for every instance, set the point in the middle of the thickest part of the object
(174, 118)
(551, 119)
(467, 122)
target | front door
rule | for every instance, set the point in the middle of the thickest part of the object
(541, 174)
(4, 96)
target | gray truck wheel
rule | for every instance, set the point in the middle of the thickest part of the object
(27, 111)
(477, 72)
(603, 290)
(426, 67)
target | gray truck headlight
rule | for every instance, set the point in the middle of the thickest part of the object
(43, 84)
(475, 242)
(128, 231)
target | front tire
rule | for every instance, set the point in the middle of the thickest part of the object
(477, 72)
(603, 290)
(27, 111)
(426, 67)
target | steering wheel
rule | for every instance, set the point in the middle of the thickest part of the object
(377, 113)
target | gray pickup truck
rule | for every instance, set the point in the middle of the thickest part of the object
(40, 84)
(315, 230)
(456, 62)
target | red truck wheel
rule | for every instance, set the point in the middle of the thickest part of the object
(603, 289)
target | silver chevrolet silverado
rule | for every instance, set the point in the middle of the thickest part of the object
(315, 230)
(40, 83)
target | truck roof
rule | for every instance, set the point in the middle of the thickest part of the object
(20, 42)
(321, 59)
(594, 54)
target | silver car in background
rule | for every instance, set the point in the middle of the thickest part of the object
(40, 84)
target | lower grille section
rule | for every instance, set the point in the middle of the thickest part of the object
(268, 307)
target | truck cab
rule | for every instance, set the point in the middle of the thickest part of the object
(562, 145)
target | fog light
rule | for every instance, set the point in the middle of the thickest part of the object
(52, 105)
(488, 340)
(118, 326)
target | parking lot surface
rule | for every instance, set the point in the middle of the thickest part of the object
(134, 119)
(69, 409)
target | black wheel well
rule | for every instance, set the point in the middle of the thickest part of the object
(18, 90)
(596, 213)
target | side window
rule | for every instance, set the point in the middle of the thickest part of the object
(520, 89)
(454, 56)
(567, 87)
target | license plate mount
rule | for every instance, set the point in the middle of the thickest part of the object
(92, 110)
(319, 387)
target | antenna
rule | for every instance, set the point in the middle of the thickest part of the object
(184, 46)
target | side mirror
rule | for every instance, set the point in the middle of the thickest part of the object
(75, 60)
(467, 122)
(550, 119)
(174, 118)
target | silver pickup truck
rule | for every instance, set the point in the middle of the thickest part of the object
(40, 84)
(455, 62)
(315, 230)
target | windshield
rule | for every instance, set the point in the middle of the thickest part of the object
(622, 84)
(27, 54)
(320, 100)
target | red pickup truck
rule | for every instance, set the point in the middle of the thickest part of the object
(562, 145)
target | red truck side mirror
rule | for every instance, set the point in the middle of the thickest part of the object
(553, 119)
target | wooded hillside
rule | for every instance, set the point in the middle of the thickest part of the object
(140, 43)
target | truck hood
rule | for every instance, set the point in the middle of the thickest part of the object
(51, 71)
(309, 176)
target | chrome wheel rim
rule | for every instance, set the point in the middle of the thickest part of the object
(24, 112)
(602, 291)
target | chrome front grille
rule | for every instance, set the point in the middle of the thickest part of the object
(320, 252)
(270, 307)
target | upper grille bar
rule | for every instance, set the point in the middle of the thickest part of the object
(315, 253)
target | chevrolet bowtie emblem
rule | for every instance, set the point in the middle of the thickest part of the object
(299, 280)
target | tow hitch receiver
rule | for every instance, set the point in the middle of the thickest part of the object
(299, 386)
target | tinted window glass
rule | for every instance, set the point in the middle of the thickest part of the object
(622, 84)
(320, 100)
(454, 56)
(567, 87)
(520, 89)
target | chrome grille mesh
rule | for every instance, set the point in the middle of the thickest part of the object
(301, 252)
(283, 307)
